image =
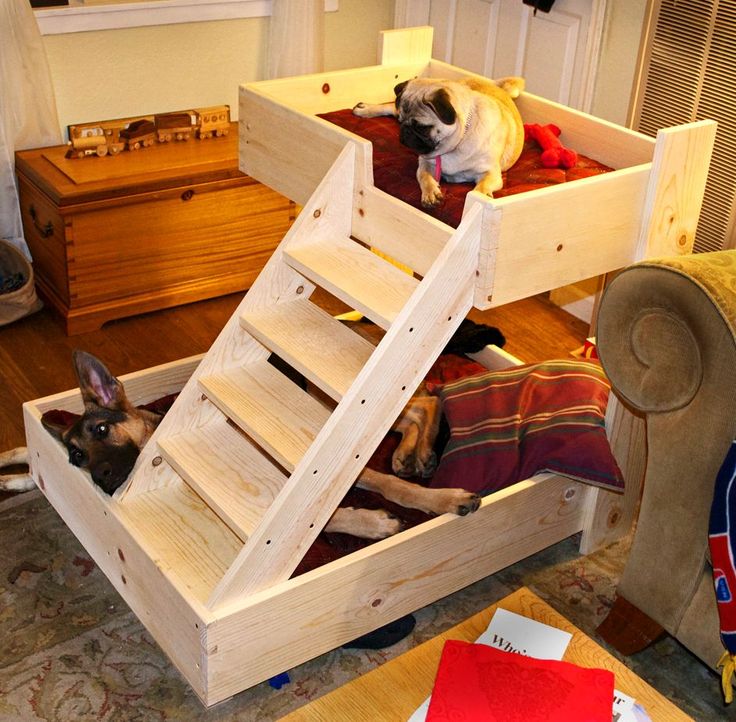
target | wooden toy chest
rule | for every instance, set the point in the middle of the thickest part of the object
(246, 468)
(147, 229)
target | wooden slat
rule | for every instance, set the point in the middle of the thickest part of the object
(269, 407)
(675, 193)
(407, 234)
(227, 471)
(538, 244)
(363, 280)
(327, 352)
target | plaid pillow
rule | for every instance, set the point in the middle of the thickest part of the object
(508, 425)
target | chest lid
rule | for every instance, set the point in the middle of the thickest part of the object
(68, 181)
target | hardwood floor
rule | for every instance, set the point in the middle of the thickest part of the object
(35, 353)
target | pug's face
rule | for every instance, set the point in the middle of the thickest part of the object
(427, 116)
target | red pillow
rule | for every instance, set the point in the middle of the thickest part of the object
(508, 425)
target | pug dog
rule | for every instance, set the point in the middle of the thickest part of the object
(467, 130)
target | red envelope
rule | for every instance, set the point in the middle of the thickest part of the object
(477, 682)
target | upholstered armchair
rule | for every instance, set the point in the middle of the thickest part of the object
(667, 340)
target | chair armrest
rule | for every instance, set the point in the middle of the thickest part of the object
(665, 337)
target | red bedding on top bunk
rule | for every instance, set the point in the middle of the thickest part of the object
(395, 167)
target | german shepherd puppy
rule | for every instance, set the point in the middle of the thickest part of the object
(106, 441)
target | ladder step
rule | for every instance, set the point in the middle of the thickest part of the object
(362, 279)
(318, 346)
(282, 418)
(231, 474)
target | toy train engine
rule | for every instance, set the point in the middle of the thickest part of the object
(93, 140)
(213, 121)
(176, 126)
(139, 134)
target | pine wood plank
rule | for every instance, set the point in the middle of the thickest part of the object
(349, 271)
(269, 407)
(326, 351)
(560, 235)
(183, 535)
(675, 193)
(411, 236)
(231, 474)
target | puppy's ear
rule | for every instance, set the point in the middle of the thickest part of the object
(98, 386)
(399, 89)
(442, 106)
(57, 421)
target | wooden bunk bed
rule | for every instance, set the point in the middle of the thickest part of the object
(203, 539)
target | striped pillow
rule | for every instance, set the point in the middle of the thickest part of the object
(508, 425)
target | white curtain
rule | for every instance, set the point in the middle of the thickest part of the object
(28, 117)
(296, 38)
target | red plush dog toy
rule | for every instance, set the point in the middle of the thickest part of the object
(554, 154)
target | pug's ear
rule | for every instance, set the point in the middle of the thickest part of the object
(442, 106)
(399, 89)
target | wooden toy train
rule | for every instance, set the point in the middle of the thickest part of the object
(114, 136)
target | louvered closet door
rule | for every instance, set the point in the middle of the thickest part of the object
(689, 73)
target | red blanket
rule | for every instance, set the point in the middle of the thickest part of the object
(395, 167)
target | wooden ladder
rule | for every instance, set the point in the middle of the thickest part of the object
(268, 458)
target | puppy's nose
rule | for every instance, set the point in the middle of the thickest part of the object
(103, 472)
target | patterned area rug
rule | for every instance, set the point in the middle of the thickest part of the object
(72, 650)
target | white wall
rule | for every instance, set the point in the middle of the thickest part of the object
(618, 60)
(118, 73)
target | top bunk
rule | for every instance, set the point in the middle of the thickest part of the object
(631, 197)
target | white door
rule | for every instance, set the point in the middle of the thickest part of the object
(555, 52)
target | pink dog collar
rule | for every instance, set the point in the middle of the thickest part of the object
(438, 168)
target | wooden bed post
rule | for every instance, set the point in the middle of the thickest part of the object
(670, 217)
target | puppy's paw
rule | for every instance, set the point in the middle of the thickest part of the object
(364, 523)
(376, 524)
(455, 501)
(361, 110)
(426, 464)
(404, 465)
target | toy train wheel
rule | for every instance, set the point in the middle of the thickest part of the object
(135, 146)
(101, 150)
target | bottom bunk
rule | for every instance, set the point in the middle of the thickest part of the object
(166, 550)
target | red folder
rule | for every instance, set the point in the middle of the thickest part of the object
(478, 682)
